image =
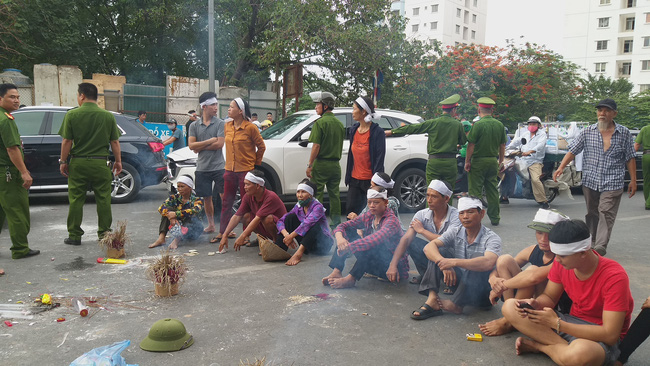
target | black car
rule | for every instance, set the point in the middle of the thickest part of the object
(143, 159)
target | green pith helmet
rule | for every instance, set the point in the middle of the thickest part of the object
(450, 102)
(466, 126)
(167, 335)
(486, 101)
(326, 98)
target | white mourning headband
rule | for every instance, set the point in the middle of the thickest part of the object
(381, 182)
(254, 179)
(466, 203)
(440, 187)
(376, 194)
(571, 248)
(370, 116)
(210, 101)
(242, 107)
(185, 180)
(306, 188)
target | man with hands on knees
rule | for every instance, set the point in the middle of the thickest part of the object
(602, 304)
(429, 223)
(462, 258)
(260, 209)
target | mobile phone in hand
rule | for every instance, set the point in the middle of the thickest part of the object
(525, 305)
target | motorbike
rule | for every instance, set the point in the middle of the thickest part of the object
(513, 168)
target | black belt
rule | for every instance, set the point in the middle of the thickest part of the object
(90, 157)
(328, 159)
(646, 152)
(442, 156)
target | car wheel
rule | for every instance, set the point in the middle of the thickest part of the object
(411, 190)
(126, 185)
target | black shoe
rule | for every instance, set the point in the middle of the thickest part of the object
(72, 241)
(31, 253)
(504, 200)
(544, 205)
(494, 223)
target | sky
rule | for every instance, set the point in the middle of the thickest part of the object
(539, 21)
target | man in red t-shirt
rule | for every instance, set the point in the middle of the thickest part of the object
(260, 210)
(602, 303)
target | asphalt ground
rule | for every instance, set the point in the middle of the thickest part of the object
(238, 307)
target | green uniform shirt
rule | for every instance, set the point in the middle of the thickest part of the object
(643, 138)
(329, 133)
(9, 137)
(445, 134)
(91, 129)
(487, 135)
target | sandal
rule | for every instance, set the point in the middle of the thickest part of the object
(217, 238)
(415, 280)
(426, 313)
(449, 290)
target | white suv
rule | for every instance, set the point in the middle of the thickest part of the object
(288, 149)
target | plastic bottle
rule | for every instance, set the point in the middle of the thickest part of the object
(80, 306)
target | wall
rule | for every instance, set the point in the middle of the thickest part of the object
(56, 85)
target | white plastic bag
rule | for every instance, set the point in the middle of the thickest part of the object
(104, 356)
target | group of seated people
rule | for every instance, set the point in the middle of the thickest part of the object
(571, 303)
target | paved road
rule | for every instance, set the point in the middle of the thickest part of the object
(238, 307)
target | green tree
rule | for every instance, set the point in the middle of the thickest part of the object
(595, 88)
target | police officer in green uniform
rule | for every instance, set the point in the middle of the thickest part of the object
(445, 135)
(642, 142)
(87, 132)
(323, 167)
(14, 200)
(485, 151)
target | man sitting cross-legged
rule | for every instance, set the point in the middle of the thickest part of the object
(381, 233)
(602, 303)
(430, 223)
(508, 280)
(260, 210)
(462, 257)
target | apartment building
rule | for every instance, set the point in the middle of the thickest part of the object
(610, 38)
(450, 22)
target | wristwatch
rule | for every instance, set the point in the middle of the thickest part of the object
(61, 162)
(309, 165)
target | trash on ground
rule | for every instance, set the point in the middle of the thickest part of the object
(305, 299)
(106, 356)
(8, 323)
(59, 320)
(46, 299)
(79, 306)
(111, 261)
(212, 253)
(476, 337)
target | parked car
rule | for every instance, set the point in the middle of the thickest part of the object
(143, 160)
(288, 149)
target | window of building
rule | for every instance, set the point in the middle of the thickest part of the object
(646, 41)
(647, 17)
(474, 18)
(631, 3)
(629, 23)
(465, 33)
(466, 17)
(473, 34)
(458, 12)
(627, 46)
(458, 29)
(626, 68)
(645, 65)
(600, 66)
(434, 25)
(414, 28)
(467, 3)
(603, 22)
(605, 2)
(475, 3)
(601, 45)
(434, 8)
(644, 87)
(416, 11)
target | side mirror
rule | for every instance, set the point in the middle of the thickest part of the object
(304, 138)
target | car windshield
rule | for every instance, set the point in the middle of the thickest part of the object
(282, 127)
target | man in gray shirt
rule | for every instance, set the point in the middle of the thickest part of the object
(206, 138)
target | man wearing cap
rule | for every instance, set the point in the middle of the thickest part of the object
(445, 134)
(176, 138)
(485, 151)
(462, 258)
(192, 117)
(602, 303)
(381, 232)
(532, 156)
(206, 138)
(508, 280)
(323, 167)
(429, 223)
(608, 148)
(260, 211)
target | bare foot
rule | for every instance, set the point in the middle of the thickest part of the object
(209, 229)
(335, 274)
(173, 246)
(295, 259)
(523, 345)
(157, 243)
(496, 327)
(2, 272)
(448, 305)
(343, 282)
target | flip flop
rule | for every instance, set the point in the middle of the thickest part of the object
(449, 290)
(217, 238)
(415, 280)
(426, 313)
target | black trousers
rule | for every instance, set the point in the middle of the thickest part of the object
(357, 195)
(374, 261)
(314, 241)
(637, 334)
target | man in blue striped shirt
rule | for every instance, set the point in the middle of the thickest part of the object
(608, 147)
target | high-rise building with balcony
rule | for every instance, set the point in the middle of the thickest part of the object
(610, 38)
(448, 21)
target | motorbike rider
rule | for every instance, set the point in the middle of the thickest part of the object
(533, 149)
